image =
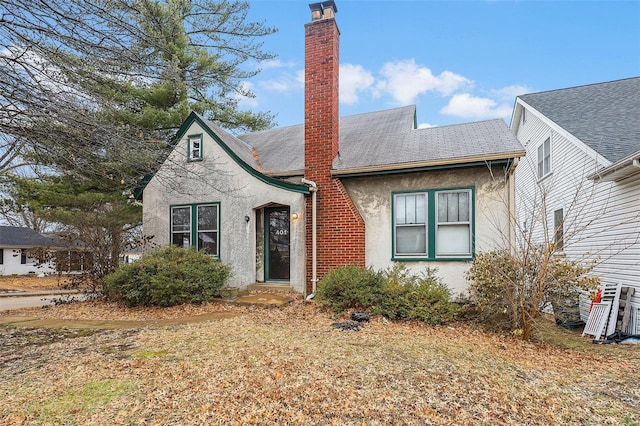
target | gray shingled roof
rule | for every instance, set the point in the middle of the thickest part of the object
(239, 147)
(11, 236)
(386, 139)
(605, 116)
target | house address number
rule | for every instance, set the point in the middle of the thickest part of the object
(281, 232)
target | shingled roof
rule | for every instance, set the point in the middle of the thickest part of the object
(387, 140)
(605, 116)
(19, 237)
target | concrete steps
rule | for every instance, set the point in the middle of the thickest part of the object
(270, 287)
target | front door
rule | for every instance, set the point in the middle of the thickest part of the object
(277, 242)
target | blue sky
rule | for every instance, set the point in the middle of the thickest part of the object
(458, 61)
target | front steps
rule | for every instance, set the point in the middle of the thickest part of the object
(270, 288)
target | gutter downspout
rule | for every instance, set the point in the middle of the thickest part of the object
(314, 236)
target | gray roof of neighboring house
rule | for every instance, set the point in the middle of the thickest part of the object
(387, 140)
(12, 236)
(605, 116)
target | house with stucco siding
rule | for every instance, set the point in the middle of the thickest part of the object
(289, 204)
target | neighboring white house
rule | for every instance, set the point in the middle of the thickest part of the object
(579, 182)
(18, 247)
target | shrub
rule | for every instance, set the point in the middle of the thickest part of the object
(409, 296)
(510, 291)
(395, 293)
(167, 276)
(349, 287)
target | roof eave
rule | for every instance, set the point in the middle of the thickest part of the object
(627, 167)
(427, 165)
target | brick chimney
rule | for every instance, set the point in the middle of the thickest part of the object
(340, 228)
(321, 116)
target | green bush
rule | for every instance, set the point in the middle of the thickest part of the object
(166, 277)
(349, 287)
(395, 293)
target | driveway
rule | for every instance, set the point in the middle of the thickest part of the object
(17, 302)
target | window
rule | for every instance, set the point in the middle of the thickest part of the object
(25, 259)
(524, 115)
(453, 224)
(544, 158)
(195, 147)
(411, 224)
(1, 256)
(196, 225)
(433, 224)
(558, 226)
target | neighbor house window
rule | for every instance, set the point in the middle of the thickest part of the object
(544, 158)
(558, 226)
(433, 224)
(195, 147)
(1, 256)
(25, 258)
(196, 225)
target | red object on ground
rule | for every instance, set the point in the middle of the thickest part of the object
(596, 299)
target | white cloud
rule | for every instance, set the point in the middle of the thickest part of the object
(285, 83)
(425, 126)
(405, 80)
(275, 63)
(509, 93)
(353, 79)
(467, 106)
(245, 101)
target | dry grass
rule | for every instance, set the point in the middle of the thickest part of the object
(289, 366)
(22, 282)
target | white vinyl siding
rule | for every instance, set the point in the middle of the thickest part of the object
(601, 222)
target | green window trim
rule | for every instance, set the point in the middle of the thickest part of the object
(194, 147)
(201, 232)
(431, 224)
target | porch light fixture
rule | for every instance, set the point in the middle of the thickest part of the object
(294, 216)
(247, 219)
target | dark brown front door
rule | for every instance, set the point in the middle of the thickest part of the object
(277, 241)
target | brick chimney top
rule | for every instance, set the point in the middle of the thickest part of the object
(323, 10)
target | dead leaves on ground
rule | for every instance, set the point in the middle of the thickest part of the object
(289, 366)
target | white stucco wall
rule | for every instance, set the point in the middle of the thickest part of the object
(218, 178)
(372, 196)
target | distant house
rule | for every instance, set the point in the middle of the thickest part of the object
(22, 251)
(579, 184)
(288, 205)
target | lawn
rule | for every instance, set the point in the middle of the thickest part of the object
(289, 366)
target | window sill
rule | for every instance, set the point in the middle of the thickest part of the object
(545, 177)
(432, 259)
